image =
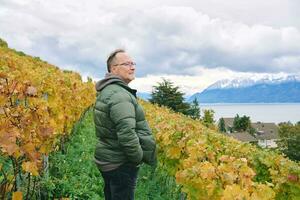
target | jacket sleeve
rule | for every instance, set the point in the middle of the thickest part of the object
(122, 113)
(148, 144)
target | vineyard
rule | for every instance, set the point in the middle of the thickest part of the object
(40, 104)
(210, 165)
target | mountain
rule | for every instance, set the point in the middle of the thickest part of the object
(267, 89)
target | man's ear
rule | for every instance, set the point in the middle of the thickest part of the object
(112, 69)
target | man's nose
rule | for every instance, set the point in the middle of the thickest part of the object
(132, 67)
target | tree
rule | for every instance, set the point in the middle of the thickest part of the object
(241, 123)
(194, 110)
(221, 125)
(166, 94)
(245, 123)
(3, 43)
(208, 118)
(236, 123)
(252, 131)
(289, 142)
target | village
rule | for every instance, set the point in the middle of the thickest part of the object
(263, 134)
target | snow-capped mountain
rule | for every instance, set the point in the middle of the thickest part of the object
(263, 89)
(253, 80)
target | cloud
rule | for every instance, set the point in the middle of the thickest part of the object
(164, 37)
(286, 62)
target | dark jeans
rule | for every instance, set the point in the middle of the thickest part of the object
(120, 183)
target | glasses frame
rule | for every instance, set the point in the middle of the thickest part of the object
(126, 64)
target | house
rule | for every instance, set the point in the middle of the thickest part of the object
(228, 124)
(243, 136)
(266, 134)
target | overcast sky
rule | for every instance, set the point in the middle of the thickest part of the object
(192, 43)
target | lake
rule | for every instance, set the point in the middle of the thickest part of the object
(270, 112)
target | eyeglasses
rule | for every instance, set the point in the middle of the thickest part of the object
(127, 64)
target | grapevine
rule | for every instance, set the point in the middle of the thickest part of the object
(210, 165)
(39, 104)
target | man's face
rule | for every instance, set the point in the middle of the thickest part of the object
(123, 67)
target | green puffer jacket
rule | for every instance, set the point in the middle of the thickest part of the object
(121, 128)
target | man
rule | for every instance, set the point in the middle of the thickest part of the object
(124, 137)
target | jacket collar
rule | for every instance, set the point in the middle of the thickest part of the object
(113, 79)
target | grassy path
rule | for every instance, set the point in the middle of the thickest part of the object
(75, 175)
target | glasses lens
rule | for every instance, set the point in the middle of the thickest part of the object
(128, 64)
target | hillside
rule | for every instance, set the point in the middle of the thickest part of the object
(211, 165)
(40, 104)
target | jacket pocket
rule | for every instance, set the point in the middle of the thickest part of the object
(149, 157)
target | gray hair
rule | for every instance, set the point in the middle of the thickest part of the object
(111, 58)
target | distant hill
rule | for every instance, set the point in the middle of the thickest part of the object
(143, 95)
(284, 89)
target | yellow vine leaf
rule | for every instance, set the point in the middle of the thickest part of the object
(8, 141)
(234, 192)
(30, 151)
(46, 132)
(174, 152)
(207, 170)
(45, 148)
(17, 196)
(30, 167)
(263, 192)
(3, 75)
(3, 100)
